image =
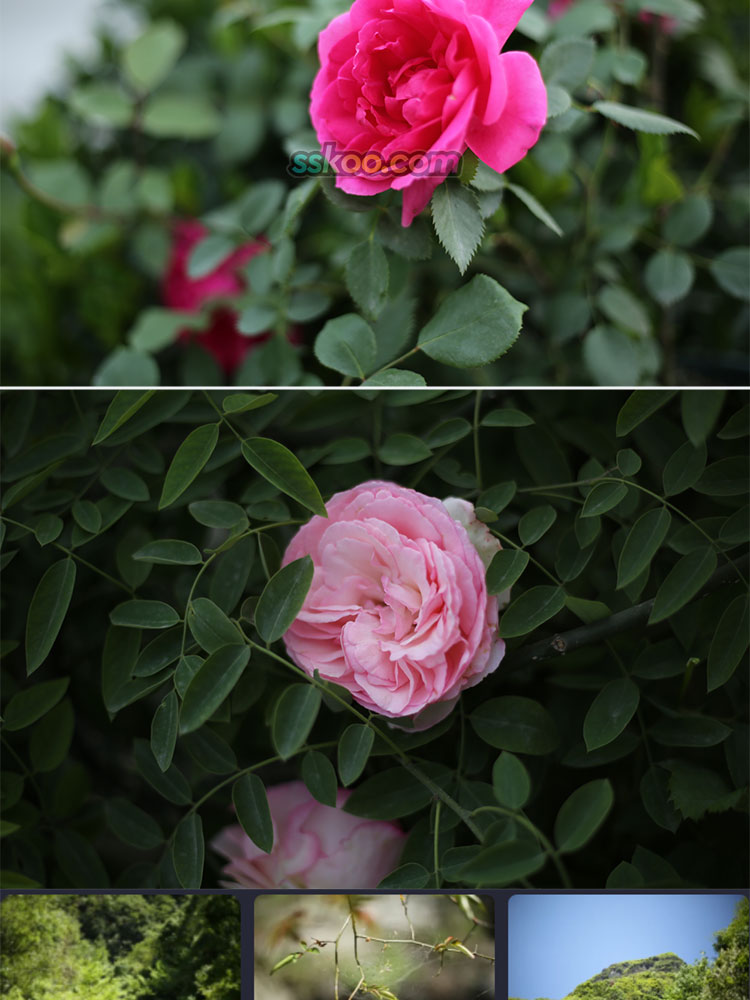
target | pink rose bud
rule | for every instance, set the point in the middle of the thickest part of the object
(222, 339)
(314, 846)
(398, 611)
(425, 76)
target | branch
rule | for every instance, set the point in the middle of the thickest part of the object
(622, 621)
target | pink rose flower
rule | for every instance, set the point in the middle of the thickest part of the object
(398, 611)
(222, 339)
(314, 846)
(425, 75)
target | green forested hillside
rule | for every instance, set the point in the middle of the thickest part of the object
(127, 947)
(668, 977)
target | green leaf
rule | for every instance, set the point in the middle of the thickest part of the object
(212, 683)
(280, 467)
(180, 116)
(218, 513)
(258, 317)
(210, 751)
(207, 254)
(639, 406)
(126, 366)
(231, 573)
(126, 484)
(28, 705)
(726, 478)
(697, 790)
(164, 730)
(510, 781)
(155, 328)
(125, 405)
(51, 738)
(169, 552)
(641, 121)
(682, 583)
(294, 717)
(534, 607)
(188, 461)
(87, 515)
(391, 794)
(354, 749)
(144, 614)
(514, 723)
(147, 60)
(102, 104)
(132, 825)
(700, 411)
(347, 345)
(79, 861)
(251, 805)
(243, 402)
(405, 877)
(170, 784)
(628, 461)
(689, 731)
(503, 864)
(505, 569)
(669, 276)
(47, 529)
(689, 220)
(535, 207)
(394, 378)
(641, 544)
(367, 277)
(497, 497)
(654, 789)
(610, 712)
(458, 222)
(403, 449)
(731, 271)
(282, 598)
(568, 61)
(623, 309)
(536, 523)
(210, 627)
(188, 851)
(506, 417)
(729, 643)
(159, 653)
(47, 611)
(320, 777)
(582, 814)
(684, 468)
(474, 325)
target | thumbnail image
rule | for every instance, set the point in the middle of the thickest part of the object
(628, 947)
(382, 947)
(119, 947)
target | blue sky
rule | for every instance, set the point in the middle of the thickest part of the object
(556, 942)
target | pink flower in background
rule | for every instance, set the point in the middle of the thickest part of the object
(426, 75)
(315, 846)
(222, 339)
(398, 611)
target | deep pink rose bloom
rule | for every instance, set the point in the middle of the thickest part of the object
(398, 611)
(315, 846)
(222, 339)
(426, 75)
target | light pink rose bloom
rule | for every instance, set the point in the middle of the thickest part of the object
(314, 846)
(426, 75)
(398, 611)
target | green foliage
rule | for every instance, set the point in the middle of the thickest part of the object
(616, 249)
(608, 749)
(124, 947)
